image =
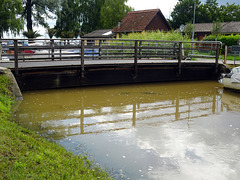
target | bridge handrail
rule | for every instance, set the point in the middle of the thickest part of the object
(85, 48)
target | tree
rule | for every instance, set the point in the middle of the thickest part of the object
(188, 30)
(90, 15)
(9, 16)
(216, 29)
(51, 32)
(31, 34)
(230, 12)
(68, 19)
(38, 10)
(112, 12)
(183, 12)
(205, 13)
(212, 10)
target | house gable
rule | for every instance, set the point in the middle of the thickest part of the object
(138, 21)
(158, 23)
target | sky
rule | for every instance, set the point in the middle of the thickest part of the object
(166, 6)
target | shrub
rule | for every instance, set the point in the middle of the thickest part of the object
(227, 40)
(156, 35)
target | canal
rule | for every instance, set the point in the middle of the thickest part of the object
(180, 130)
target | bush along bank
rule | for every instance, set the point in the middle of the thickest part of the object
(26, 155)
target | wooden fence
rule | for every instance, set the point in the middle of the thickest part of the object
(22, 50)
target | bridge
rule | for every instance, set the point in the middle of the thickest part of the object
(56, 63)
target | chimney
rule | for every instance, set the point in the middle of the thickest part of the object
(119, 24)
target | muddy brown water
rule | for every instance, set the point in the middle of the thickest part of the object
(180, 130)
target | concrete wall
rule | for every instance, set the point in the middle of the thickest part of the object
(14, 86)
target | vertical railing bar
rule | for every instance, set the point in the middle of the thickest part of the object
(122, 49)
(60, 50)
(174, 50)
(217, 55)
(52, 49)
(16, 56)
(82, 60)
(140, 50)
(180, 58)
(92, 47)
(135, 58)
(100, 49)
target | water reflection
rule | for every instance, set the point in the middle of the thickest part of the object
(153, 131)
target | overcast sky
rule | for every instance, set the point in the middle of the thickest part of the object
(166, 6)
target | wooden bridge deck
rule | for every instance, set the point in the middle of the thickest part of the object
(33, 64)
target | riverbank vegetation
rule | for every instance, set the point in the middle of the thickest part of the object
(26, 155)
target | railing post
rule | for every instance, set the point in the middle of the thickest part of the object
(174, 50)
(225, 55)
(140, 50)
(217, 55)
(82, 59)
(122, 50)
(180, 56)
(60, 50)
(149, 52)
(16, 56)
(0, 50)
(135, 58)
(52, 49)
(92, 46)
(107, 50)
(100, 49)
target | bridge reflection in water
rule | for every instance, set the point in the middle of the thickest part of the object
(61, 113)
(184, 130)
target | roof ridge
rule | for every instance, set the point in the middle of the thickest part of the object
(148, 10)
(225, 24)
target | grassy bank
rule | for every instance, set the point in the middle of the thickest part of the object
(25, 155)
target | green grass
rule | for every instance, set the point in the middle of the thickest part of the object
(26, 155)
(230, 57)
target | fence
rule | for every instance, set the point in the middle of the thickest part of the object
(22, 50)
(232, 51)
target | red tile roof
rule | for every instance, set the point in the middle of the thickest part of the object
(138, 21)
